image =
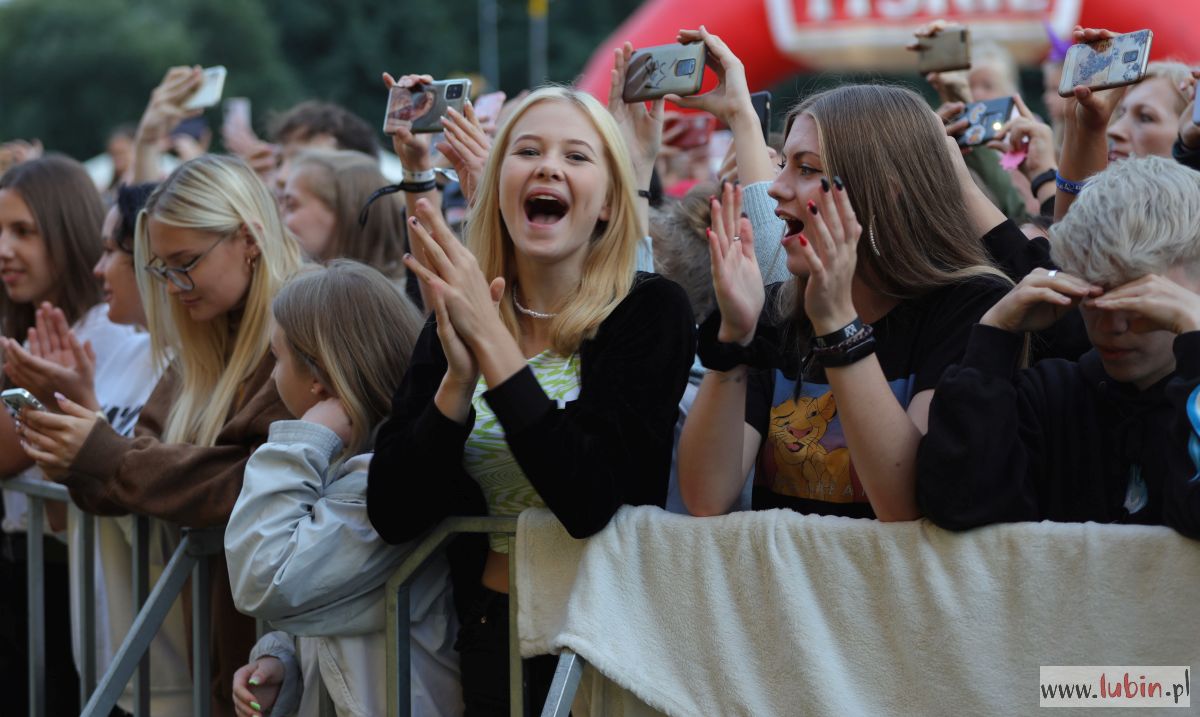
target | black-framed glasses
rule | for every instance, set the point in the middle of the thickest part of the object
(178, 275)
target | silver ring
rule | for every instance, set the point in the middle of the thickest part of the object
(736, 239)
(1052, 273)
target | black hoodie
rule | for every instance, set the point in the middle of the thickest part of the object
(1060, 441)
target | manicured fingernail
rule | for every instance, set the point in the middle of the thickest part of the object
(254, 680)
(803, 240)
(812, 207)
(256, 706)
(712, 198)
(837, 182)
(824, 185)
(59, 396)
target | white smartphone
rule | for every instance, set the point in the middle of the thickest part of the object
(211, 87)
(16, 399)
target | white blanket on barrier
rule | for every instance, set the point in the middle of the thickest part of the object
(777, 613)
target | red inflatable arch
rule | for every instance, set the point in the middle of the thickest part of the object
(778, 38)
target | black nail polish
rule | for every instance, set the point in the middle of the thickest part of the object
(825, 185)
(812, 207)
(837, 182)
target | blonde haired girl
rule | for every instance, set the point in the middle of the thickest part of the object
(210, 254)
(552, 373)
(301, 552)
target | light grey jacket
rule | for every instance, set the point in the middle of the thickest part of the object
(301, 552)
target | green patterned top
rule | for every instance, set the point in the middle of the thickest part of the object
(486, 456)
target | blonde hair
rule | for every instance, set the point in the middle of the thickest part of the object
(988, 53)
(1139, 216)
(218, 195)
(608, 269)
(900, 180)
(358, 355)
(342, 181)
(1175, 73)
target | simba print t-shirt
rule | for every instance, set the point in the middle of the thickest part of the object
(803, 462)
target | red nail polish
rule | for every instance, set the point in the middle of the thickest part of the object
(803, 240)
(812, 207)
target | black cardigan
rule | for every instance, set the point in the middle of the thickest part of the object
(609, 447)
(1056, 441)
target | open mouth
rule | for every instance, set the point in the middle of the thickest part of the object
(545, 209)
(793, 228)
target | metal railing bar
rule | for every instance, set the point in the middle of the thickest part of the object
(567, 673)
(399, 689)
(141, 590)
(87, 681)
(517, 699)
(35, 586)
(38, 488)
(145, 626)
(201, 637)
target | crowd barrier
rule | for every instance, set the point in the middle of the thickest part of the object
(132, 660)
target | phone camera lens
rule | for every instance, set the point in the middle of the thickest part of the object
(1130, 56)
(453, 92)
(685, 67)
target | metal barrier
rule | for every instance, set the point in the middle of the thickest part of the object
(133, 657)
(399, 661)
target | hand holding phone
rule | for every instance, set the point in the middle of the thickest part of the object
(1105, 62)
(985, 120)
(942, 47)
(212, 84)
(419, 107)
(655, 72)
(17, 399)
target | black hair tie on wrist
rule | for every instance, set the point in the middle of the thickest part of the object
(413, 187)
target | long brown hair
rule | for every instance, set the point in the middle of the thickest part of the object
(69, 214)
(343, 180)
(890, 150)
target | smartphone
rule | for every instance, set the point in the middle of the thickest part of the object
(211, 87)
(948, 50)
(664, 70)
(1114, 62)
(697, 130)
(986, 120)
(1196, 109)
(18, 398)
(420, 108)
(762, 107)
(237, 112)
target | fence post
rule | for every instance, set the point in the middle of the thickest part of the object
(201, 637)
(87, 681)
(35, 591)
(141, 590)
(516, 668)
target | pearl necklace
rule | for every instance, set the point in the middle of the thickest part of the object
(530, 312)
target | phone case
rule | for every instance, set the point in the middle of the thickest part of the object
(421, 108)
(986, 119)
(1196, 109)
(948, 50)
(762, 107)
(210, 90)
(1114, 62)
(663, 70)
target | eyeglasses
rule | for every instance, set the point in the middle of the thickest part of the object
(178, 275)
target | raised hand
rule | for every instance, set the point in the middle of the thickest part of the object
(1039, 301)
(1025, 133)
(731, 96)
(466, 145)
(831, 250)
(256, 686)
(54, 362)
(165, 109)
(641, 126)
(456, 284)
(737, 280)
(412, 148)
(1189, 129)
(1157, 302)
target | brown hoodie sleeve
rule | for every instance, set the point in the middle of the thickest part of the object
(179, 483)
